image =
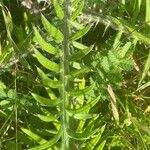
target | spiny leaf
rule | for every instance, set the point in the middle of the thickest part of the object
(44, 45)
(49, 143)
(47, 81)
(45, 101)
(46, 62)
(52, 30)
(80, 54)
(82, 92)
(80, 33)
(77, 11)
(34, 136)
(58, 9)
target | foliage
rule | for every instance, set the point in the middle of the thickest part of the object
(74, 74)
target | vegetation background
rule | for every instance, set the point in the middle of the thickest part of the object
(74, 74)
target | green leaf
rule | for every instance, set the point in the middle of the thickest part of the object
(81, 135)
(146, 69)
(74, 3)
(2, 85)
(45, 101)
(44, 45)
(80, 33)
(46, 62)
(52, 30)
(77, 11)
(79, 72)
(82, 92)
(58, 9)
(79, 45)
(34, 136)
(49, 118)
(49, 143)
(147, 18)
(47, 81)
(84, 116)
(84, 108)
(80, 54)
(101, 145)
(124, 49)
(92, 144)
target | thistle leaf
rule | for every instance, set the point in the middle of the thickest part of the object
(52, 30)
(46, 62)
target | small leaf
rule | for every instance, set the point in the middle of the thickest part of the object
(101, 145)
(44, 45)
(92, 144)
(74, 3)
(45, 101)
(84, 108)
(82, 92)
(46, 62)
(84, 116)
(146, 69)
(47, 81)
(81, 135)
(77, 11)
(34, 136)
(81, 33)
(80, 54)
(49, 143)
(58, 9)
(52, 30)
(79, 45)
(49, 118)
(79, 72)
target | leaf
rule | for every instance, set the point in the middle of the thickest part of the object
(49, 143)
(47, 81)
(92, 144)
(52, 30)
(74, 3)
(144, 86)
(124, 49)
(44, 45)
(82, 92)
(2, 85)
(80, 54)
(84, 116)
(147, 17)
(77, 11)
(45, 101)
(49, 118)
(81, 33)
(79, 72)
(79, 45)
(84, 108)
(58, 9)
(34, 136)
(101, 145)
(81, 135)
(146, 69)
(46, 62)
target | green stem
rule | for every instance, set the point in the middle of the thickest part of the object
(64, 73)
